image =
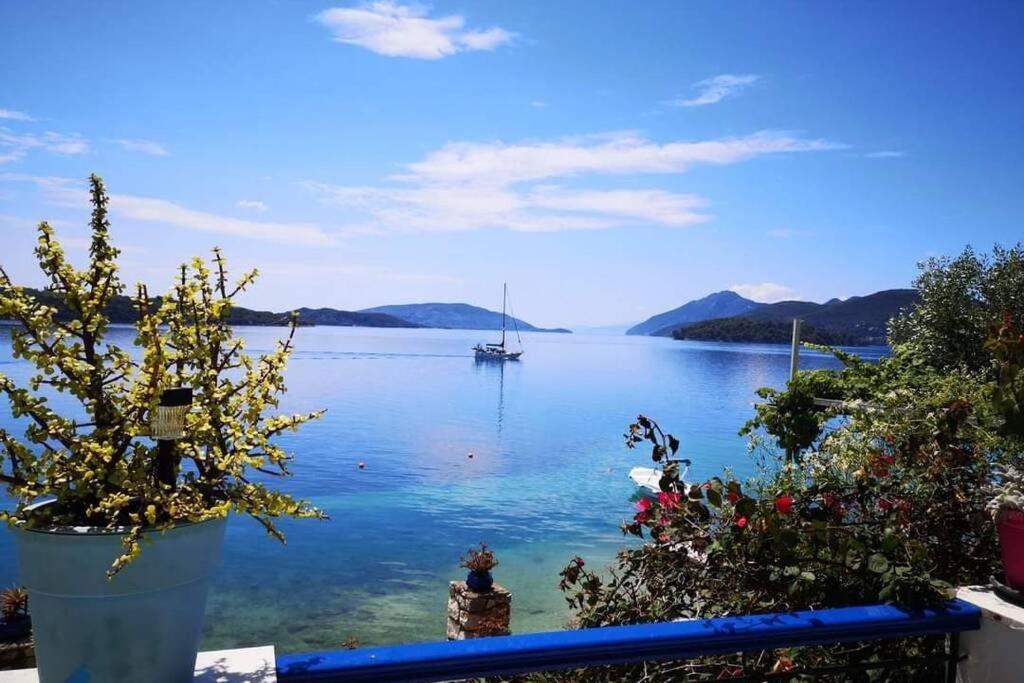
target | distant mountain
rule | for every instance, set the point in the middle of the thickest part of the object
(857, 321)
(122, 310)
(454, 316)
(718, 305)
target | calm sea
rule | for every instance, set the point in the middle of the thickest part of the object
(547, 479)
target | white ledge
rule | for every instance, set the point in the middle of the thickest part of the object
(992, 606)
(246, 665)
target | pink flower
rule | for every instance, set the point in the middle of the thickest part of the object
(643, 505)
(742, 522)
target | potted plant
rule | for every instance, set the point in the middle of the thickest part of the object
(479, 561)
(121, 504)
(16, 622)
(1007, 346)
(1007, 507)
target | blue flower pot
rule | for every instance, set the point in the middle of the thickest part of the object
(480, 583)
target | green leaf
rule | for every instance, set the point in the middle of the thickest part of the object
(746, 507)
(714, 497)
(878, 564)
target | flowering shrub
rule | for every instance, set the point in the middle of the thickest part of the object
(103, 471)
(886, 506)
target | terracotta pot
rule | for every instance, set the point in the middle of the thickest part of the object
(1011, 544)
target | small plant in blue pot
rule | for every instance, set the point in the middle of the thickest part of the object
(479, 561)
(15, 622)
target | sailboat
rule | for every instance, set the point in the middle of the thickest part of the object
(498, 351)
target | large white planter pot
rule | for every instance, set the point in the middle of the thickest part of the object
(142, 625)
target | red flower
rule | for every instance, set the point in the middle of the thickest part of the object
(741, 522)
(885, 505)
(732, 497)
(643, 507)
(663, 520)
(669, 499)
(784, 504)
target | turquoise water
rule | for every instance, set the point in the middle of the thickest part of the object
(547, 480)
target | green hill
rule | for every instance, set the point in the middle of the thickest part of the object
(122, 310)
(857, 321)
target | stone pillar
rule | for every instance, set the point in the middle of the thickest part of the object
(477, 615)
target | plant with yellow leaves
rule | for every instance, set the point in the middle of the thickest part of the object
(100, 468)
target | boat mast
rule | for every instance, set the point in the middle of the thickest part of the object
(504, 298)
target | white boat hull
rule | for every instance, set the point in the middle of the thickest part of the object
(650, 478)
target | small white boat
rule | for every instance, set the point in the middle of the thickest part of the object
(650, 477)
(498, 351)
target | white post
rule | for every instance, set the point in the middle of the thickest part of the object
(993, 652)
(794, 352)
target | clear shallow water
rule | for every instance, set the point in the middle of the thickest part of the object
(547, 480)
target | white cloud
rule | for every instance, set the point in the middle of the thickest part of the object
(72, 193)
(716, 89)
(251, 205)
(885, 154)
(169, 213)
(618, 153)
(143, 146)
(538, 104)
(15, 146)
(767, 292)
(395, 30)
(471, 186)
(15, 115)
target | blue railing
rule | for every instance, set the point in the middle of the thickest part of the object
(447, 661)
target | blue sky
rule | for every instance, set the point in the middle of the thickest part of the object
(609, 160)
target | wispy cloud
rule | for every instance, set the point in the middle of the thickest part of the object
(767, 292)
(788, 233)
(885, 154)
(471, 186)
(538, 104)
(396, 30)
(251, 205)
(715, 89)
(72, 193)
(356, 272)
(15, 146)
(143, 146)
(618, 153)
(12, 115)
